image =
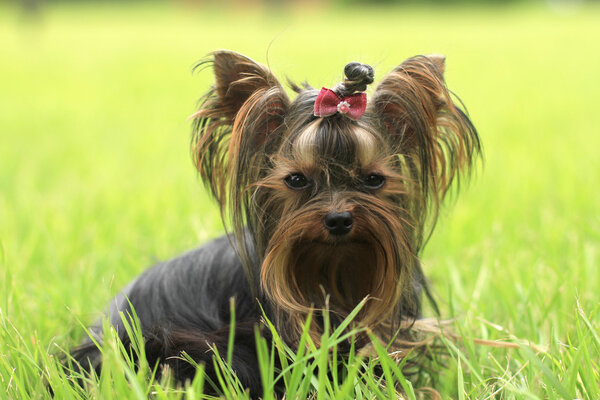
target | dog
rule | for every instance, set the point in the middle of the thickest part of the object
(328, 199)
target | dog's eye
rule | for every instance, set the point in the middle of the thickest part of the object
(296, 181)
(373, 181)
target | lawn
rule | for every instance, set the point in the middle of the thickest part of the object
(96, 180)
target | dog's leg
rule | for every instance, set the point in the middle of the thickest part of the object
(170, 346)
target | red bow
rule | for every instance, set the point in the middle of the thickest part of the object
(328, 103)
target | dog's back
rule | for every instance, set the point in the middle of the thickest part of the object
(183, 306)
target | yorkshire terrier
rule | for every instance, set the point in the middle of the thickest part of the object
(329, 199)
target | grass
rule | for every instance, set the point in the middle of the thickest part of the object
(96, 183)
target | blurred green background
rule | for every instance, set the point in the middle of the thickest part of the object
(96, 181)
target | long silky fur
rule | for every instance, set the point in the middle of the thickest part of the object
(434, 138)
(247, 138)
(219, 134)
(412, 116)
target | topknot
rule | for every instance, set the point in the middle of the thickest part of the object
(358, 76)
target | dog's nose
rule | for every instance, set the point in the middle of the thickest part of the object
(338, 223)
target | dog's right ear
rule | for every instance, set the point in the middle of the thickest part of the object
(236, 123)
(237, 79)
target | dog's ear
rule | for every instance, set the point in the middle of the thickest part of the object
(439, 60)
(434, 138)
(237, 79)
(236, 122)
(409, 99)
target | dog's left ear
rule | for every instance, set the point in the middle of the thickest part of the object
(236, 122)
(433, 136)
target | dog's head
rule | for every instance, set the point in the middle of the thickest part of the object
(332, 202)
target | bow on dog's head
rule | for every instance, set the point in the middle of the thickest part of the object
(331, 195)
(329, 103)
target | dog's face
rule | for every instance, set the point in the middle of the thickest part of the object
(332, 202)
(335, 207)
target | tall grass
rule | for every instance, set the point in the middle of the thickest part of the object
(96, 184)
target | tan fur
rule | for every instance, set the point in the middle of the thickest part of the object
(248, 138)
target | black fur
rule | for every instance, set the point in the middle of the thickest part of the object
(183, 305)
